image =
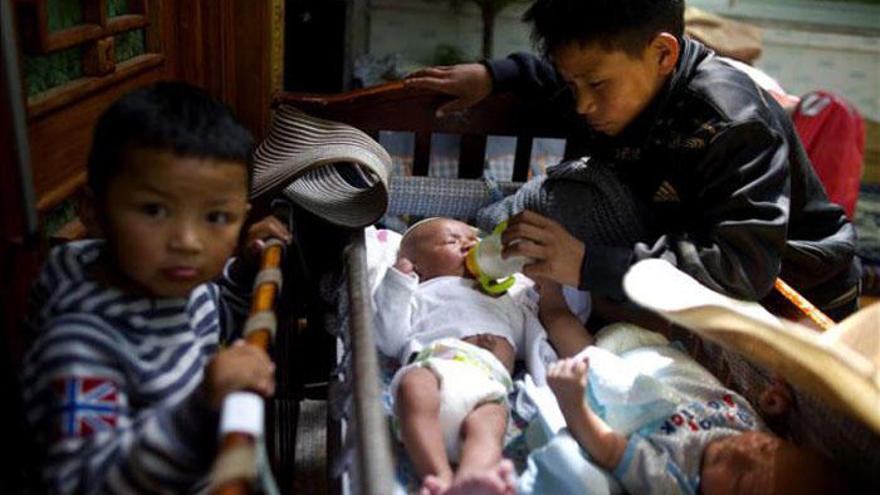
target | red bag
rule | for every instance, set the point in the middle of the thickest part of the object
(833, 133)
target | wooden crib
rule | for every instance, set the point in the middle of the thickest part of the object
(358, 436)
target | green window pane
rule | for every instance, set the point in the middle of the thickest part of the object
(117, 7)
(129, 44)
(59, 216)
(64, 13)
(44, 72)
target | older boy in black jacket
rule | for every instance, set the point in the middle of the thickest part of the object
(733, 199)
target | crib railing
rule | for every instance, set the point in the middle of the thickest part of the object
(375, 468)
(395, 107)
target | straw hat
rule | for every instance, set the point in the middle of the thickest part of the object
(840, 366)
(331, 169)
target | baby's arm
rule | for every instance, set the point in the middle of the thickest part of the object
(392, 305)
(565, 331)
(568, 380)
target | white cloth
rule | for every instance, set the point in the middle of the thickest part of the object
(664, 455)
(468, 376)
(410, 315)
(382, 246)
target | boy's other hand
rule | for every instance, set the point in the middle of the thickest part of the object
(257, 235)
(468, 83)
(567, 379)
(239, 367)
(558, 255)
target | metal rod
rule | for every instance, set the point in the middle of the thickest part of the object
(263, 300)
(803, 305)
(376, 470)
(15, 98)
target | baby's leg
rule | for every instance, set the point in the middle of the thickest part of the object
(417, 407)
(481, 469)
(482, 437)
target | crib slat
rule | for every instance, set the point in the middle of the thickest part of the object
(421, 153)
(522, 159)
(472, 156)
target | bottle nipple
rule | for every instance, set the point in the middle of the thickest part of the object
(485, 263)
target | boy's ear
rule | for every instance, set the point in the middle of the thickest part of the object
(667, 50)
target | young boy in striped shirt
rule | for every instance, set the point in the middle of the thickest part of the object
(127, 370)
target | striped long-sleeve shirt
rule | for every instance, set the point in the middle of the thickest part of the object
(111, 382)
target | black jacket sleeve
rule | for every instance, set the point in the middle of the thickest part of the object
(736, 228)
(530, 76)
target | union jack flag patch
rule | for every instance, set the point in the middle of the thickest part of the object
(85, 405)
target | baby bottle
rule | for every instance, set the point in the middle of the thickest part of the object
(485, 263)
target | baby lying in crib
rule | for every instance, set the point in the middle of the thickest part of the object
(709, 441)
(458, 346)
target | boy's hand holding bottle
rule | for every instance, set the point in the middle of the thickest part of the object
(558, 255)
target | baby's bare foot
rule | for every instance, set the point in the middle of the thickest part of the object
(499, 480)
(434, 485)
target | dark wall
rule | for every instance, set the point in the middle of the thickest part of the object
(315, 45)
(18, 265)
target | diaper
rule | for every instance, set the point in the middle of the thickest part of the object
(469, 376)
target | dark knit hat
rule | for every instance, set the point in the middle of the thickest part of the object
(586, 196)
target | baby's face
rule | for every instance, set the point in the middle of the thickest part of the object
(439, 248)
(172, 221)
(756, 462)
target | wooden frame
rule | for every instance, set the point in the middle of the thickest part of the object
(412, 110)
(34, 24)
(61, 118)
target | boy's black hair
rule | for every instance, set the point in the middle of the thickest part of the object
(170, 116)
(626, 25)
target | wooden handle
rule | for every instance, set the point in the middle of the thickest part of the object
(804, 306)
(263, 300)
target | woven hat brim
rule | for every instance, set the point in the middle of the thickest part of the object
(308, 158)
(820, 364)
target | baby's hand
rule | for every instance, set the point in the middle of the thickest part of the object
(568, 380)
(404, 265)
(239, 367)
(259, 233)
